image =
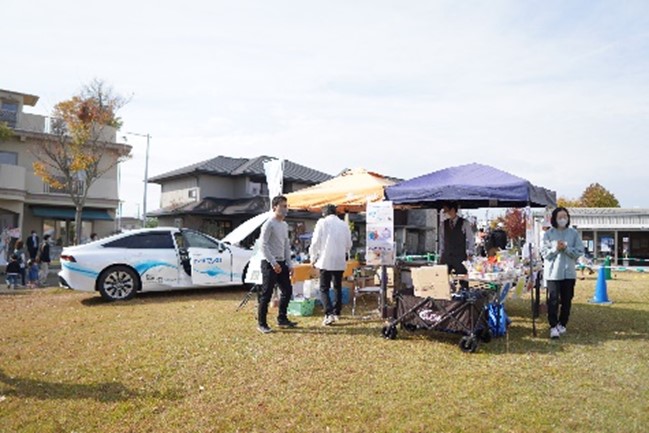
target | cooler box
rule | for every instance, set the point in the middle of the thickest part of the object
(301, 307)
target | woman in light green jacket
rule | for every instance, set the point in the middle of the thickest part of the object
(562, 246)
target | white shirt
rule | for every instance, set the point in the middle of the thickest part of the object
(331, 240)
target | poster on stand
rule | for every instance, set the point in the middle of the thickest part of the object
(380, 248)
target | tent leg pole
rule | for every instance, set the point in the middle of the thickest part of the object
(384, 291)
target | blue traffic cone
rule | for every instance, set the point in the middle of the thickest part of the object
(600, 288)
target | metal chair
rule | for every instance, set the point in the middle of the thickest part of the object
(362, 290)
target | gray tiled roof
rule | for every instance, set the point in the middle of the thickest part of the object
(254, 167)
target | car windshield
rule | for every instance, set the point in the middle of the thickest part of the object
(198, 240)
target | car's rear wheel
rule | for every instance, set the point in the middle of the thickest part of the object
(118, 283)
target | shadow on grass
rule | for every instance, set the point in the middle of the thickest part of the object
(103, 392)
(590, 324)
(337, 329)
(221, 294)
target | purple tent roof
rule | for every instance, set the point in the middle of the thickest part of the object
(473, 185)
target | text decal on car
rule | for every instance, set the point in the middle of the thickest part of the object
(208, 260)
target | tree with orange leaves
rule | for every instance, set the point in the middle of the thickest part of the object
(514, 222)
(77, 152)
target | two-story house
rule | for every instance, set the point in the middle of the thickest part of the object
(26, 202)
(217, 195)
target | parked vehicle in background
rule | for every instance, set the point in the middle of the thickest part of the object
(155, 259)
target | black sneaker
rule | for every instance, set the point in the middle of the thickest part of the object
(287, 323)
(264, 329)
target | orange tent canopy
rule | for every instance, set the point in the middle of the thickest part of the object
(349, 191)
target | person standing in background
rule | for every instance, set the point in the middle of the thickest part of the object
(330, 246)
(32, 245)
(562, 246)
(44, 258)
(456, 240)
(22, 260)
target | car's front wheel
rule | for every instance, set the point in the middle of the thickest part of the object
(118, 283)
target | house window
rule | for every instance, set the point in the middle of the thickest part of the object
(10, 158)
(216, 228)
(257, 189)
(192, 193)
(9, 113)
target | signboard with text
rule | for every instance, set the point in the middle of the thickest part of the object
(380, 249)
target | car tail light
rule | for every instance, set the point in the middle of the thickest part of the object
(67, 258)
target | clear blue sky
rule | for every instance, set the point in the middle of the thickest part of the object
(553, 91)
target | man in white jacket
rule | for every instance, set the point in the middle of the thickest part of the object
(330, 245)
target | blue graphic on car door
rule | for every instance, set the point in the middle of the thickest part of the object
(210, 266)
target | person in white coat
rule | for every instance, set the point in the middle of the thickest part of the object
(330, 246)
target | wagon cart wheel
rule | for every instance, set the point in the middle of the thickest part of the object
(389, 332)
(469, 344)
(118, 283)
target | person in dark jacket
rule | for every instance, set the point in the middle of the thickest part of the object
(32, 245)
(457, 241)
(44, 257)
(13, 272)
(22, 260)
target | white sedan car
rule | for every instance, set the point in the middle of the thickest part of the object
(158, 259)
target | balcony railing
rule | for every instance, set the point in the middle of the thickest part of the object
(49, 125)
(77, 188)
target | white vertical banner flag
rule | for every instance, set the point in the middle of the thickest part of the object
(274, 170)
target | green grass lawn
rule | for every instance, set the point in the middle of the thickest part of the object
(186, 362)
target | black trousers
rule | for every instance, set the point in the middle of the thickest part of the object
(455, 264)
(560, 293)
(325, 282)
(269, 279)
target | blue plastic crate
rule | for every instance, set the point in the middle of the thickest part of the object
(332, 296)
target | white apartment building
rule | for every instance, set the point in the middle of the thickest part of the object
(26, 202)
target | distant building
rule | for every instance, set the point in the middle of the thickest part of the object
(26, 202)
(620, 233)
(129, 223)
(217, 195)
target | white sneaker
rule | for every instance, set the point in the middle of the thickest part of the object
(561, 329)
(328, 320)
(554, 332)
(335, 317)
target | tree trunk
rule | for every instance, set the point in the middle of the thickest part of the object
(77, 224)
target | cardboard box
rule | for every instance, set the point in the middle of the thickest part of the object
(311, 289)
(366, 281)
(298, 289)
(349, 269)
(304, 272)
(431, 281)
